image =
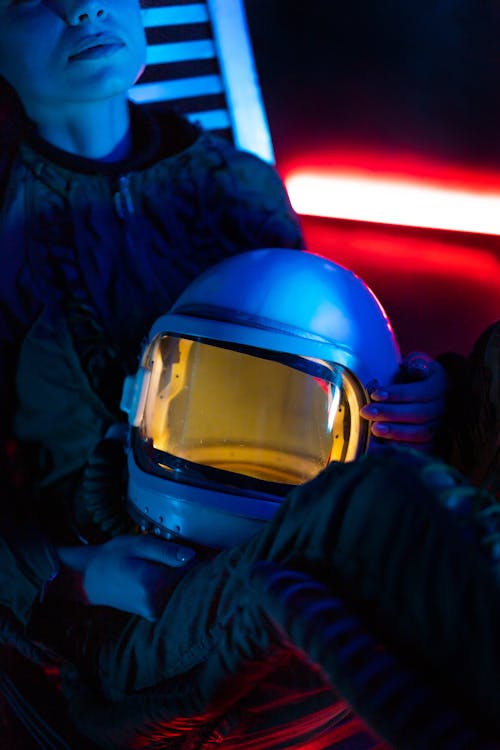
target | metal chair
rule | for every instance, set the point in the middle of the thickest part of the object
(200, 62)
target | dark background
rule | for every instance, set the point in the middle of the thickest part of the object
(414, 86)
(388, 73)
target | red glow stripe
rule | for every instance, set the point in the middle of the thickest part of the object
(393, 201)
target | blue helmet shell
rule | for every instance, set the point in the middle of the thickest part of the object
(278, 300)
(290, 301)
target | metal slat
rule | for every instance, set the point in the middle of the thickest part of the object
(198, 74)
(174, 15)
(174, 52)
(217, 119)
(176, 89)
(235, 55)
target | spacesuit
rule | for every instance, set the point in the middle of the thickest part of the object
(246, 441)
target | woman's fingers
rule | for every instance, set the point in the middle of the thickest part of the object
(162, 551)
(134, 573)
(402, 413)
(414, 434)
(410, 412)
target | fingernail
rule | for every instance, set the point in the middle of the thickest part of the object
(185, 555)
(381, 429)
(370, 411)
(380, 395)
(419, 364)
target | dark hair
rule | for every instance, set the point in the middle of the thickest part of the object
(13, 119)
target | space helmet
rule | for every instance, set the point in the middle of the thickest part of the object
(249, 386)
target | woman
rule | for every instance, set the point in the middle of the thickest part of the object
(107, 213)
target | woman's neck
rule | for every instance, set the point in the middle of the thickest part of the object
(94, 130)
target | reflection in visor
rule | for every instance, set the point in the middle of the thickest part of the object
(231, 410)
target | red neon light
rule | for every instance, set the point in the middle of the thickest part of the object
(389, 200)
(393, 187)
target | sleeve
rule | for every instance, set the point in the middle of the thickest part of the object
(468, 435)
(244, 201)
(375, 533)
(447, 443)
(27, 559)
(27, 563)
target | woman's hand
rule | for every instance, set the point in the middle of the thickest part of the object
(132, 573)
(410, 412)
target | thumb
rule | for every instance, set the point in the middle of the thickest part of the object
(162, 551)
(417, 365)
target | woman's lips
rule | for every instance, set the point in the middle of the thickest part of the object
(93, 49)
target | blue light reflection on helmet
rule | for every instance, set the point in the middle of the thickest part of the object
(292, 301)
(283, 303)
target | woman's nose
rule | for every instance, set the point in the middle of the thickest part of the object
(85, 11)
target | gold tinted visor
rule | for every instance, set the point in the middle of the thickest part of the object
(260, 415)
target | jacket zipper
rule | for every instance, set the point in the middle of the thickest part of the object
(124, 204)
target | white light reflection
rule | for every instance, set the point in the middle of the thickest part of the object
(392, 201)
(334, 405)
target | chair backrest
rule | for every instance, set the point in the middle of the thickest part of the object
(200, 61)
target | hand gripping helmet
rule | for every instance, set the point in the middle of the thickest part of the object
(250, 385)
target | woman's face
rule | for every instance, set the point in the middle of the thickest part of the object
(64, 52)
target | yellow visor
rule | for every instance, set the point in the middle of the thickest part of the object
(244, 417)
